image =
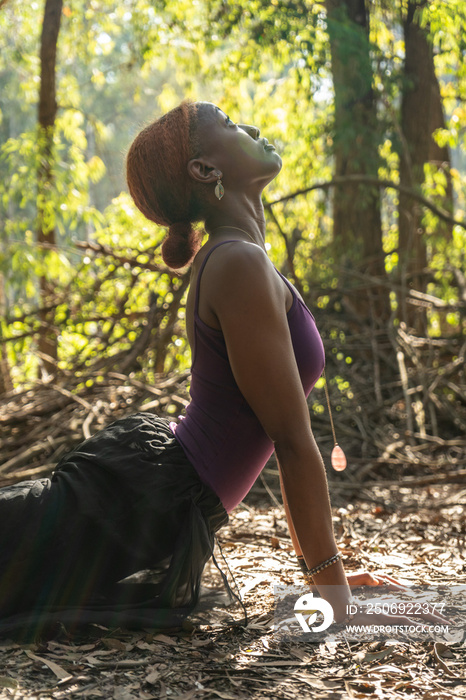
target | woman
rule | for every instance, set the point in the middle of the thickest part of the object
(145, 494)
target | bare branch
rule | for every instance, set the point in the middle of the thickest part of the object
(386, 184)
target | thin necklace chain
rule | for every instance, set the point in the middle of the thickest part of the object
(237, 229)
(329, 408)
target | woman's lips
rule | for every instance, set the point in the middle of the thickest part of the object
(268, 146)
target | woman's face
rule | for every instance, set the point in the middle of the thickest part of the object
(236, 150)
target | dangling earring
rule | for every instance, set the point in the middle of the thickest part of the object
(219, 189)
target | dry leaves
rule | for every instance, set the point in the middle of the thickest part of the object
(405, 537)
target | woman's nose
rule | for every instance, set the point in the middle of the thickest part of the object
(251, 130)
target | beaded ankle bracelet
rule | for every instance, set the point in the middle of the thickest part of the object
(302, 564)
(316, 569)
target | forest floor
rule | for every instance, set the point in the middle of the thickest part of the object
(417, 534)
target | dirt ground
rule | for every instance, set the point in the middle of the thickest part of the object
(416, 534)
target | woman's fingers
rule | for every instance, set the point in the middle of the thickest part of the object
(386, 577)
(366, 578)
(391, 583)
(362, 578)
(394, 581)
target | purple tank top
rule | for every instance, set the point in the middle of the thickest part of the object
(220, 434)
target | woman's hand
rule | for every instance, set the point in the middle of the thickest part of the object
(366, 578)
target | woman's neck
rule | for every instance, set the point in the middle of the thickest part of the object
(246, 217)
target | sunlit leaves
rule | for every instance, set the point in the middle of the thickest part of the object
(265, 62)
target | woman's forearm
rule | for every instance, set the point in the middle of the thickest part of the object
(306, 496)
(289, 520)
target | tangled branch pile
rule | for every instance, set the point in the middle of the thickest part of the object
(405, 411)
(40, 424)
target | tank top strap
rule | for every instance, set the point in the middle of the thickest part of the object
(198, 281)
(286, 281)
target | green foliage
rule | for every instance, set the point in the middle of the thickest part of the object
(265, 62)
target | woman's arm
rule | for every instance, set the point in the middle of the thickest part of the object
(310, 517)
(247, 297)
(293, 535)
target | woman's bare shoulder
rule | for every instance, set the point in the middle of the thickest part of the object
(240, 276)
(237, 261)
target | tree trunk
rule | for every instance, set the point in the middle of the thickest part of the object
(440, 155)
(47, 110)
(6, 383)
(416, 126)
(357, 224)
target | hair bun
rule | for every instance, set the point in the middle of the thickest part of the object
(181, 244)
(180, 229)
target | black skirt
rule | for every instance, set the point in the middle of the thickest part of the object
(125, 501)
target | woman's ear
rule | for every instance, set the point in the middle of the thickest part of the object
(202, 171)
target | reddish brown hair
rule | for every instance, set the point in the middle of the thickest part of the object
(158, 180)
